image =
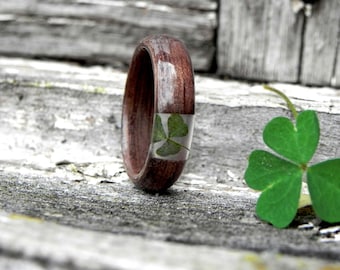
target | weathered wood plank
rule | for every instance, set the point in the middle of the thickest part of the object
(31, 244)
(262, 40)
(80, 122)
(60, 161)
(336, 78)
(104, 31)
(322, 44)
(259, 40)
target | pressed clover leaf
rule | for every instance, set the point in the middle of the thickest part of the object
(280, 178)
(176, 128)
(158, 132)
(168, 148)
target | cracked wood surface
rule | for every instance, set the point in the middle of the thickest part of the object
(60, 163)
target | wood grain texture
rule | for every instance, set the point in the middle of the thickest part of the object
(60, 161)
(266, 40)
(228, 114)
(259, 40)
(160, 80)
(336, 78)
(104, 31)
(321, 45)
(39, 244)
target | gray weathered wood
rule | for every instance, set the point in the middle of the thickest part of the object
(31, 244)
(266, 40)
(321, 45)
(60, 161)
(78, 124)
(259, 40)
(256, 40)
(337, 69)
(106, 31)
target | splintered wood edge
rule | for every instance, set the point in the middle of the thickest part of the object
(208, 90)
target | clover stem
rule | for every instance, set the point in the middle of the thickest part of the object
(181, 145)
(304, 200)
(290, 105)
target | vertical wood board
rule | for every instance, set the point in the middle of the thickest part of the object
(336, 78)
(321, 45)
(259, 40)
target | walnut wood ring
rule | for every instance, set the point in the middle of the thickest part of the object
(160, 83)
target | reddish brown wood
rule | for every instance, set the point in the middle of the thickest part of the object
(160, 80)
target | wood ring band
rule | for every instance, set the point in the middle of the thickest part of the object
(157, 116)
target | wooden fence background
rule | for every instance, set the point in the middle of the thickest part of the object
(262, 40)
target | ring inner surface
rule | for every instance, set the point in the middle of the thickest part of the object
(140, 111)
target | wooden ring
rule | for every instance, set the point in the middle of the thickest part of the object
(158, 112)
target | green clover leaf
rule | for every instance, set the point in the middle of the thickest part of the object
(280, 183)
(324, 187)
(168, 148)
(295, 142)
(176, 128)
(280, 179)
(158, 132)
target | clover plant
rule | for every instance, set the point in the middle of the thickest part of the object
(279, 176)
(176, 128)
